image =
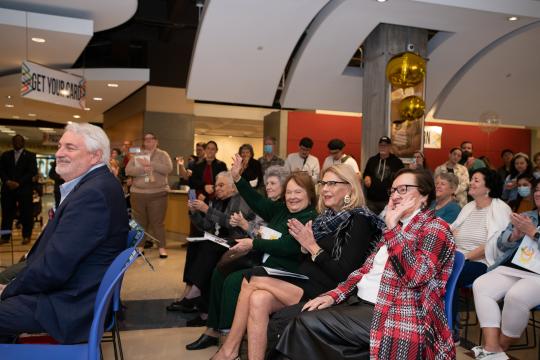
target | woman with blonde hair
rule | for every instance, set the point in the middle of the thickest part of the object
(334, 244)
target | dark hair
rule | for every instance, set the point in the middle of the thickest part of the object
(211, 142)
(506, 151)
(454, 149)
(306, 142)
(336, 144)
(514, 204)
(492, 181)
(424, 180)
(246, 146)
(151, 134)
(465, 142)
(534, 184)
(201, 144)
(270, 137)
(305, 182)
(118, 151)
(513, 171)
(535, 156)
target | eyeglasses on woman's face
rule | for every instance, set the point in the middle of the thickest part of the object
(400, 189)
(331, 183)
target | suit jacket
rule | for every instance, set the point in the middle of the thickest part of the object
(22, 172)
(68, 261)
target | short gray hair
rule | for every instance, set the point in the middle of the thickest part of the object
(281, 172)
(452, 179)
(94, 138)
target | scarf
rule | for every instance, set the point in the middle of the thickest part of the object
(337, 224)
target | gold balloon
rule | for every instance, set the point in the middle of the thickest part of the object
(406, 69)
(412, 107)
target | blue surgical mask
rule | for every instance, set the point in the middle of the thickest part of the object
(268, 149)
(524, 191)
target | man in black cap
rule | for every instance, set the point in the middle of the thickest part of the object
(378, 175)
(338, 156)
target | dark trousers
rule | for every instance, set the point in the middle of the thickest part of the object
(17, 315)
(338, 332)
(9, 201)
(471, 271)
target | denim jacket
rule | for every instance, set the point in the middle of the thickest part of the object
(508, 247)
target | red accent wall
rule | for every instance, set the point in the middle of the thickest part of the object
(490, 145)
(323, 128)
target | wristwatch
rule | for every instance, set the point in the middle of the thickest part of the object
(314, 256)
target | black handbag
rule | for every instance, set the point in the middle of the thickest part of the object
(232, 261)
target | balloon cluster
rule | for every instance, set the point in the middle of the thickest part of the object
(405, 70)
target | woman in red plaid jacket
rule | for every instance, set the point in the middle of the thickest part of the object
(398, 308)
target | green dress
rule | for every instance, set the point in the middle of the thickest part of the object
(284, 253)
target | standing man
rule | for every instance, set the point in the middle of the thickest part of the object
(269, 157)
(56, 291)
(337, 156)
(504, 170)
(379, 174)
(303, 161)
(467, 158)
(17, 168)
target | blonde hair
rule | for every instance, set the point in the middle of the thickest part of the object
(345, 173)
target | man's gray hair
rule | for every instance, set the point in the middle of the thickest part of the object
(227, 176)
(94, 138)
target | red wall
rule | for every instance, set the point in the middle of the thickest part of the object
(323, 128)
(486, 144)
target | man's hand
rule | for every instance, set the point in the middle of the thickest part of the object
(237, 219)
(198, 205)
(320, 302)
(2, 287)
(367, 181)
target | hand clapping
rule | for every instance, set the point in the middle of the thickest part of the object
(522, 226)
(237, 219)
(302, 233)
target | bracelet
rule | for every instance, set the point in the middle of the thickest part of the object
(314, 256)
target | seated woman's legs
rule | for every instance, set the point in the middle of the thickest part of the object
(246, 308)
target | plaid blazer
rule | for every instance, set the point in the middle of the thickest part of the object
(409, 321)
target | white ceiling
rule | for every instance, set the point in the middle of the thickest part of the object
(243, 46)
(67, 27)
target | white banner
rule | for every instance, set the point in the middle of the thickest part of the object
(53, 86)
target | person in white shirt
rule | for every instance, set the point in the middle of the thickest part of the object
(338, 156)
(303, 161)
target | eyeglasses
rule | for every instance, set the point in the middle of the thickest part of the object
(401, 189)
(330, 183)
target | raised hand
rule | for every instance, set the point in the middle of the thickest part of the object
(236, 167)
(237, 219)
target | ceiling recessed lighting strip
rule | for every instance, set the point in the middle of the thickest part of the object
(38, 40)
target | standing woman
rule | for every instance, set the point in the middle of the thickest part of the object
(251, 169)
(519, 165)
(150, 187)
(453, 166)
(392, 305)
(519, 287)
(204, 173)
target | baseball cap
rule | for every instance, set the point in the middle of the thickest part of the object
(385, 139)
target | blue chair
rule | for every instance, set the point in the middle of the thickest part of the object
(459, 261)
(90, 350)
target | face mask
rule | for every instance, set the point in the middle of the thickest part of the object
(268, 149)
(524, 191)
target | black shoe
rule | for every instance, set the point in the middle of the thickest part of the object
(184, 305)
(198, 321)
(203, 342)
(148, 245)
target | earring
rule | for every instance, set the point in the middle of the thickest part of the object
(347, 199)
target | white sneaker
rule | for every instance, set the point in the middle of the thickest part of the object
(477, 350)
(487, 355)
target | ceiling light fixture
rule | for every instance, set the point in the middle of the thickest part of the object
(87, 109)
(513, 18)
(10, 105)
(16, 117)
(113, 85)
(70, 122)
(381, 1)
(64, 92)
(77, 116)
(38, 40)
(31, 114)
(97, 99)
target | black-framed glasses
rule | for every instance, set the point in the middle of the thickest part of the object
(401, 189)
(330, 183)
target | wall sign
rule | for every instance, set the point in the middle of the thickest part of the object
(41, 83)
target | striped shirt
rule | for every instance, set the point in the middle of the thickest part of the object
(473, 231)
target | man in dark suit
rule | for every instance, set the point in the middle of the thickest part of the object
(17, 170)
(56, 290)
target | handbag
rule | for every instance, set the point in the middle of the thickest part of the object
(232, 261)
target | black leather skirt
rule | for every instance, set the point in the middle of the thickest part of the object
(338, 332)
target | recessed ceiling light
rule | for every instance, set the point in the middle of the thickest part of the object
(70, 122)
(45, 129)
(112, 85)
(97, 99)
(64, 92)
(513, 18)
(38, 40)
(87, 109)
(381, 1)
(77, 116)
(16, 117)
(31, 114)
(9, 96)
(10, 105)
